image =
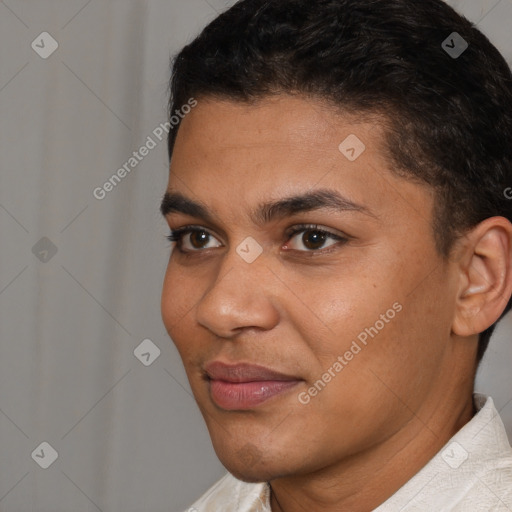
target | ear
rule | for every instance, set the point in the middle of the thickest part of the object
(485, 277)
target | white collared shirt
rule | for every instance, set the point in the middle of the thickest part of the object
(471, 473)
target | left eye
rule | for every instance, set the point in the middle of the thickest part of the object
(313, 238)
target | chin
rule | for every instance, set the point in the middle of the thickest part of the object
(244, 466)
(250, 475)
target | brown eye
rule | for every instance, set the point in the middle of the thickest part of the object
(313, 238)
(198, 238)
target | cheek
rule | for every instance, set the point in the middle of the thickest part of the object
(377, 319)
(176, 302)
(403, 340)
(345, 310)
(168, 304)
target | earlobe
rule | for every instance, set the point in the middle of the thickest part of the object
(486, 277)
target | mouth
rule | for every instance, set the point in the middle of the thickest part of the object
(244, 386)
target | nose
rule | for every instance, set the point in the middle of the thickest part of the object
(242, 296)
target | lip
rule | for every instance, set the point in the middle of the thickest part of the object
(244, 386)
(244, 372)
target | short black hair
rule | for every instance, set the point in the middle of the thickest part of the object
(447, 117)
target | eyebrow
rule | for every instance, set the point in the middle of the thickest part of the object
(322, 199)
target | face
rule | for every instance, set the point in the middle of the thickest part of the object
(343, 306)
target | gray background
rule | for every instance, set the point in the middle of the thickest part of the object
(129, 437)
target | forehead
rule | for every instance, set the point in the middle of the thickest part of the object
(233, 155)
(303, 123)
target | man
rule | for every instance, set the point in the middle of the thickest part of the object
(337, 200)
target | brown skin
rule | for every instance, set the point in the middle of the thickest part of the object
(400, 399)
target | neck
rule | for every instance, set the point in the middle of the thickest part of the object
(368, 479)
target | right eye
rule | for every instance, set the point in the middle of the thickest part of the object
(198, 236)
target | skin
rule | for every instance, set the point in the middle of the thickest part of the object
(295, 309)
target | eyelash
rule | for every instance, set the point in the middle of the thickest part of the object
(178, 234)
